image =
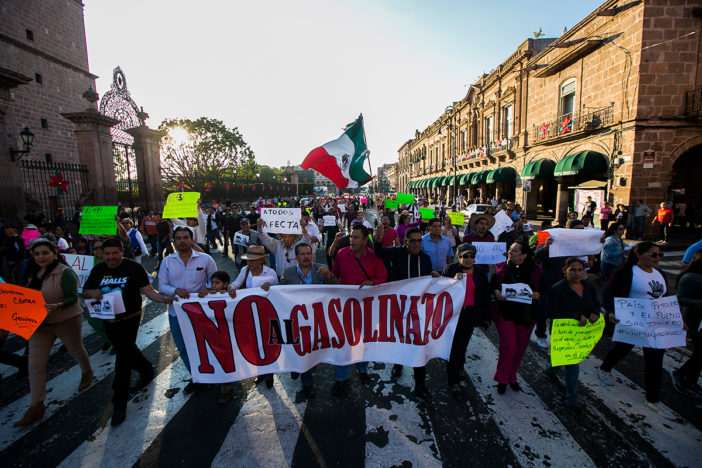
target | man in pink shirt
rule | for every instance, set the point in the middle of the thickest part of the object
(356, 264)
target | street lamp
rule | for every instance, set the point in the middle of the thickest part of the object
(27, 140)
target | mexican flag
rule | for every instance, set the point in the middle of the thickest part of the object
(341, 160)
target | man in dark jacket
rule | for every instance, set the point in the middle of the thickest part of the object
(407, 261)
(475, 311)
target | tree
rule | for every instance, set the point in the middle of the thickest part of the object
(200, 152)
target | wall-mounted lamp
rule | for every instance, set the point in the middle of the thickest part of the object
(27, 140)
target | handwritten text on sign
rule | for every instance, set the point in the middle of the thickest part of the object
(21, 309)
(653, 323)
(81, 264)
(282, 220)
(181, 205)
(571, 343)
(293, 328)
(98, 220)
(490, 253)
(573, 242)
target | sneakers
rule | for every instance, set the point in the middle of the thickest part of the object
(542, 342)
(605, 377)
(119, 414)
(661, 410)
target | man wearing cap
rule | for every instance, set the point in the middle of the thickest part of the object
(182, 273)
(438, 247)
(475, 311)
(283, 249)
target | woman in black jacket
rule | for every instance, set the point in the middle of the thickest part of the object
(573, 298)
(475, 311)
(640, 278)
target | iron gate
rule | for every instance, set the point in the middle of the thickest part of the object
(50, 186)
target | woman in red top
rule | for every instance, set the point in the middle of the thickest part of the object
(605, 216)
(664, 217)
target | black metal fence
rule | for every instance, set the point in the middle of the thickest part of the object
(50, 186)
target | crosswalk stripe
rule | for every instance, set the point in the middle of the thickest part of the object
(114, 446)
(410, 437)
(267, 428)
(62, 388)
(522, 417)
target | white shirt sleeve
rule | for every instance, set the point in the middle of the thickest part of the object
(240, 278)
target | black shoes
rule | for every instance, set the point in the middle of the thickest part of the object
(422, 391)
(309, 392)
(190, 387)
(396, 371)
(144, 380)
(119, 414)
(515, 387)
(339, 388)
(501, 388)
(363, 376)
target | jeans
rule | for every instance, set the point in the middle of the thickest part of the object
(607, 270)
(543, 315)
(653, 361)
(343, 372)
(153, 240)
(457, 358)
(638, 226)
(307, 378)
(571, 382)
(178, 339)
(212, 237)
(665, 231)
(123, 336)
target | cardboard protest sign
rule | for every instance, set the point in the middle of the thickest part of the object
(81, 264)
(98, 220)
(107, 307)
(427, 213)
(31, 234)
(329, 220)
(281, 220)
(342, 208)
(574, 242)
(392, 204)
(405, 198)
(181, 205)
(517, 292)
(364, 200)
(457, 219)
(541, 237)
(490, 253)
(21, 309)
(652, 323)
(241, 239)
(502, 220)
(571, 343)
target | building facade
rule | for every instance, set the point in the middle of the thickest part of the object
(613, 105)
(382, 183)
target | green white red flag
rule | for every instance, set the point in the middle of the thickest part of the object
(341, 160)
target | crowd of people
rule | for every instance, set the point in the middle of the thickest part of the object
(358, 249)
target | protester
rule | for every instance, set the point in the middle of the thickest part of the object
(474, 312)
(310, 234)
(407, 261)
(47, 272)
(689, 293)
(613, 251)
(639, 217)
(212, 229)
(552, 269)
(390, 237)
(515, 320)
(403, 225)
(305, 273)
(664, 217)
(437, 246)
(449, 231)
(361, 217)
(148, 226)
(117, 273)
(135, 240)
(356, 264)
(640, 278)
(573, 298)
(254, 239)
(283, 249)
(163, 231)
(605, 215)
(182, 273)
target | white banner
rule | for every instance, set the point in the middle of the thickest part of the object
(281, 220)
(81, 264)
(502, 220)
(293, 328)
(575, 242)
(490, 253)
(517, 292)
(653, 323)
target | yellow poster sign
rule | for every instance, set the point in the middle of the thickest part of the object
(457, 219)
(181, 205)
(571, 343)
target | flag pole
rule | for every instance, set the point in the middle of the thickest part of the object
(363, 126)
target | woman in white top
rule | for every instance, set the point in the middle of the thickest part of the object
(135, 240)
(254, 275)
(450, 231)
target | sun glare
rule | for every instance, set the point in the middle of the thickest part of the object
(179, 135)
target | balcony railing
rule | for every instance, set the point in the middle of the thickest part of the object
(693, 102)
(587, 120)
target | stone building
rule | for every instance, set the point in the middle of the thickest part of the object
(382, 183)
(392, 176)
(612, 106)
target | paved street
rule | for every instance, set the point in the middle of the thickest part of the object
(382, 424)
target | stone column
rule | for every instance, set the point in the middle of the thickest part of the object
(562, 203)
(12, 204)
(95, 151)
(147, 149)
(530, 198)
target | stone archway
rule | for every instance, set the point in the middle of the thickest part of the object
(684, 186)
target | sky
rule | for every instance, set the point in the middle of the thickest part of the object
(291, 74)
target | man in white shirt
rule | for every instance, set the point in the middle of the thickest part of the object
(184, 272)
(365, 222)
(283, 249)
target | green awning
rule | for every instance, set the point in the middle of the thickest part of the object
(541, 168)
(585, 162)
(501, 174)
(425, 183)
(444, 182)
(450, 181)
(435, 181)
(464, 179)
(479, 178)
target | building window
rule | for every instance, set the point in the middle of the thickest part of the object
(48, 158)
(474, 134)
(44, 123)
(566, 102)
(30, 34)
(463, 140)
(489, 130)
(38, 78)
(507, 121)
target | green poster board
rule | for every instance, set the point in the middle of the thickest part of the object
(98, 220)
